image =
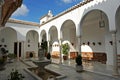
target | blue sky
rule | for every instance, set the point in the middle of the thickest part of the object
(33, 10)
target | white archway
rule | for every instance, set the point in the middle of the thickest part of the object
(43, 36)
(54, 44)
(117, 18)
(8, 36)
(32, 40)
(68, 33)
(95, 34)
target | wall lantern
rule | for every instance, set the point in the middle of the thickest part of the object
(101, 22)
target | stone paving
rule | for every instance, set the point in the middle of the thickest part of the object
(71, 74)
(18, 65)
(67, 68)
(95, 67)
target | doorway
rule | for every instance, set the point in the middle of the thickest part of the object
(15, 48)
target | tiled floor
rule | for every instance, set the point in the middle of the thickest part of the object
(95, 67)
(4, 74)
(71, 74)
(92, 71)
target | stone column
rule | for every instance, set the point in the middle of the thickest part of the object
(60, 51)
(115, 65)
(18, 50)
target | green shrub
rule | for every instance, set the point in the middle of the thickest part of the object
(15, 75)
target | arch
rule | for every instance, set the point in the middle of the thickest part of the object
(10, 29)
(68, 24)
(34, 34)
(43, 35)
(53, 32)
(117, 21)
(98, 14)
(69, 21)
(68, 33)
(94, 29)
(8, 36)
(53, 37)
(32, 39)
(117, 17)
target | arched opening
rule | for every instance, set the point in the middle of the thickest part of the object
(54, 45)
(43, 36)
(118, 28)
(117, 18)
(95, 35)
(43, 42)
(32, 39)
(68, 30)
(8, 37)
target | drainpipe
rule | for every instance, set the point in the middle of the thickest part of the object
(115, 65)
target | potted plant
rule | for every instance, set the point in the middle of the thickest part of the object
(78, 61)
(65, 51)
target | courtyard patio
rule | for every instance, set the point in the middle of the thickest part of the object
(92, 70)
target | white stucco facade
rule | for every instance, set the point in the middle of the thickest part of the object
(77, 26)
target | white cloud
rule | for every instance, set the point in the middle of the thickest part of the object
(68, 1)
(22, 11)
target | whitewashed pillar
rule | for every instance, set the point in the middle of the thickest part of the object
(79, 45)
(60, 47)
(48, 43)
(115, 65)
(18, 50)
(23, 53)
